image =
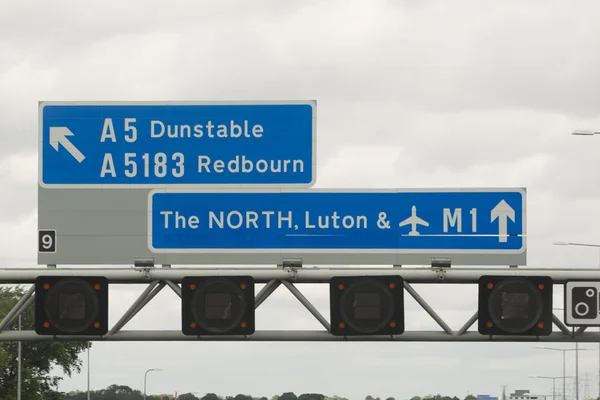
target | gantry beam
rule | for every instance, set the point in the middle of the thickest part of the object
(301, 275)
(157, 278)
(301, 336)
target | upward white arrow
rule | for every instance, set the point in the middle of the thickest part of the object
(502, 212)
(58, 135)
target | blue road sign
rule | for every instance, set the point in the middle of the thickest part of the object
(432, 222)
(87, 145)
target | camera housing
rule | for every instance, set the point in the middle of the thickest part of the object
(582, 303)
(585, 302)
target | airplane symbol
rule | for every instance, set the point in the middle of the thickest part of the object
(413, 220)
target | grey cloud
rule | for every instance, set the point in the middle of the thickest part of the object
(18, 175)
(285, 65)
(68, 22)
(418, 67)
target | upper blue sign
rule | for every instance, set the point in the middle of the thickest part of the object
(306, 222)
(183, 144)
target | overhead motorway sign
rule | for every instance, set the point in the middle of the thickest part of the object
(183, 144)
(387, 223)
(582, 303)
(266, 226)
(348, 227)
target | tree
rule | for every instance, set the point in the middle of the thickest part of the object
(210, 396)
(288, 396)
(76, 395)
(118, 392)
(188, 396)
(311, 396)
(38, 357)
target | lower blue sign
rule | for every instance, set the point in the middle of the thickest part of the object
(377, 221)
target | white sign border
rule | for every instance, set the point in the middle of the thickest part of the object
(316, 252)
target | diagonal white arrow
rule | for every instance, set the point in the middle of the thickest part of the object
(58, 135)
(502, 212)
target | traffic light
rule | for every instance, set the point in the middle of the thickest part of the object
(67, 305)
(515, 305)
(371, 305)
(217, 305)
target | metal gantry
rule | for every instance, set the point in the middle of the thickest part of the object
(157, 278)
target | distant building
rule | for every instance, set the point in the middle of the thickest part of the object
(486, 397)
(525, 395)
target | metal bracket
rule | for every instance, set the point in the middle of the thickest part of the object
(145, 265)
(440, 272)
(143, 262)
(441, 262)
(291, 263)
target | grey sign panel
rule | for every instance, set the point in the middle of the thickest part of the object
(582, 306)
(116, 226)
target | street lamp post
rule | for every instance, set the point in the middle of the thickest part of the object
(145, 375)
(587, 132)
(576, 350)
(577, 244)
(554, 378)
(564, 376)
(19, 366)
(598, 247)
(584, 132)
(88, 371)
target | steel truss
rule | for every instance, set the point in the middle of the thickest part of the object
(158, 278)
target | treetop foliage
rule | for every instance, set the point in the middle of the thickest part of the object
(38, 358)
(119, 392)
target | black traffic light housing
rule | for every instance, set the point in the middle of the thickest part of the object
(69, 305)
(515, 305)
(217, 305)
(371, 305)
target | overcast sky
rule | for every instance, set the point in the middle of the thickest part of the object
(410, 94)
